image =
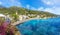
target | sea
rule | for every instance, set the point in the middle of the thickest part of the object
(50, 26)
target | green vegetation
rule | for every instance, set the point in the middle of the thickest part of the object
(22, 11)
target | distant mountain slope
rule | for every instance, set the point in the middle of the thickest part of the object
(19, 10)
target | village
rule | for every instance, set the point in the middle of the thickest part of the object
(23, 17)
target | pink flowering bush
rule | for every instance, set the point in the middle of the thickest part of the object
(4, 29)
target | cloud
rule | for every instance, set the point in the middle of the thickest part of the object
(11, 3)
(55, 6)
(48, 2)
(14, 3)
(33, 8)
(40, 9)
(0, 3)
(51, 2)
(55, 10)
(28, 6)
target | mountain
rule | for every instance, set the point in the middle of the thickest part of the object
(23, 11)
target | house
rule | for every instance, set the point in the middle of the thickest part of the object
(1, 15)
(23, 17)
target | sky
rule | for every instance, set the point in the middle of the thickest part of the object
(52, 6)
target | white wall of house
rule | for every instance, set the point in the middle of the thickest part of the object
(22, 17)
(1, 15)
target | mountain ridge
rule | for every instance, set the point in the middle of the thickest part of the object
(24, 11)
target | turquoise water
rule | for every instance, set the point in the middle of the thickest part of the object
(49, 26)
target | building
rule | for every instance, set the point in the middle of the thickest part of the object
(23, 17)
(1, 15)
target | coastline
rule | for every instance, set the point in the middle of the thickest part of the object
(19, 22)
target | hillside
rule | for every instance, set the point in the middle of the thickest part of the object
(19, 10)
(22, 11)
